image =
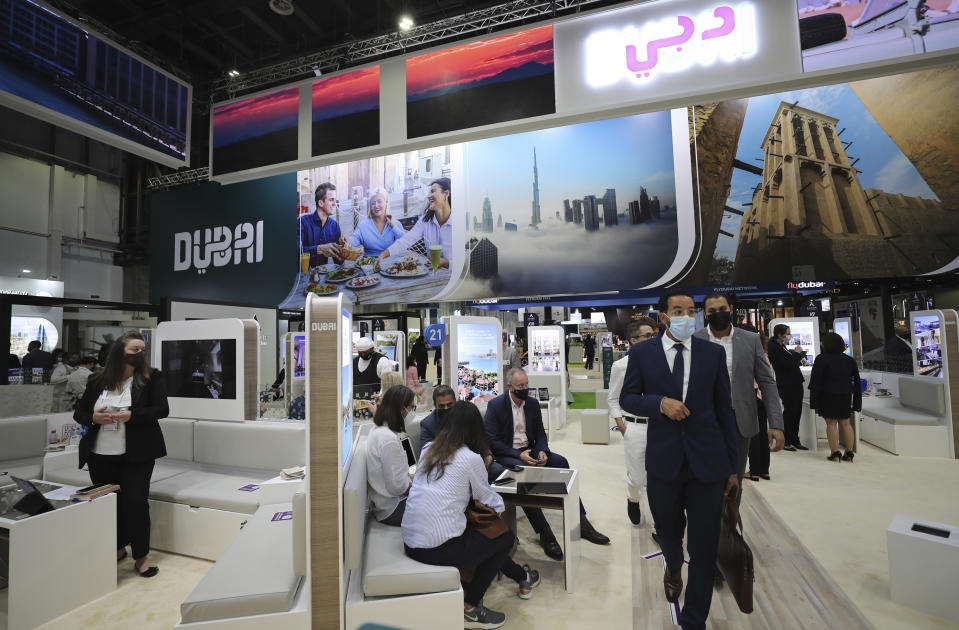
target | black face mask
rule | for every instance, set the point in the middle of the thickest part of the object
(136, 360)
(441, 414)
(522, 394)
(366, 356)
(720, 320)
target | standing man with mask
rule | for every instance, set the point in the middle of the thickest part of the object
(368, 366)
(634, 433)
(746, 364)
(789, 382)
(681, 384)
(514, 426)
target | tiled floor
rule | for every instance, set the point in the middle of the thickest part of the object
(839, 513)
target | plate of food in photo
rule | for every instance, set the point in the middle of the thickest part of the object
(404, 267)
(327, 268)
(342, 274)
(321, 289)
(363, 282)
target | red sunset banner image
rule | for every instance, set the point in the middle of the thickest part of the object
(346, 111)
(256, 131)
(489, 81)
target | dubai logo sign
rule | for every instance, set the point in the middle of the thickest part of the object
(640, 54)
(218, 246)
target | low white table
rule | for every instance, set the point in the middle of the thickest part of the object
(58, 560)
(567, 503)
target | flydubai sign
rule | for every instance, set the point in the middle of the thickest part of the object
(656, 51)
(642, 53)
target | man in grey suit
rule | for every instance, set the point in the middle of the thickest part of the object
(747, 364)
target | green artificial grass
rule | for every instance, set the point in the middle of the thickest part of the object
(583, 400)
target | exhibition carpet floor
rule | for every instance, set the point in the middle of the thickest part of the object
(818, 529)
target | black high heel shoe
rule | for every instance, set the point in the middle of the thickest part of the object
(847, 457)
(835, 457)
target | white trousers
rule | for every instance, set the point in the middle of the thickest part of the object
(634, 443)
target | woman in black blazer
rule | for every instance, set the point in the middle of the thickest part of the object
(121, 408)
(834, 391)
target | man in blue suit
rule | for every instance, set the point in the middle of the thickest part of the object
(514, 426)
(681, 384)
(443, 399)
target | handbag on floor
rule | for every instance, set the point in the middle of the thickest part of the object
(484, 520)
(735, 558)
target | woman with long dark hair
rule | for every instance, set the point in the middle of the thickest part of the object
(387, 467)
(450, 474)
(121, 409)
(434, 227)
(834, 392)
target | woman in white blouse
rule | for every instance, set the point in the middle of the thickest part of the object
(387, 467)
(451, 472)
(121, 408)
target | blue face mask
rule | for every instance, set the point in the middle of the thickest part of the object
(682, 327)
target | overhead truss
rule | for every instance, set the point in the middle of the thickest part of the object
(178, 178)
(360, 51)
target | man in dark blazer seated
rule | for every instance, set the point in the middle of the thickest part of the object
(514, 426)
(681, 384)
(443, 399)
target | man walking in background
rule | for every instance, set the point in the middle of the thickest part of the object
(746, 364)
(634, 433)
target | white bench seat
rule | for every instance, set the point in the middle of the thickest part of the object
(254, 576)
(218, 491)
(903, 415)
(388, 571)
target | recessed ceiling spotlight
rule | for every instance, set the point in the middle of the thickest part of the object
(233, 73)
(282, 7)
(405, 23)
(779, 303)
(24, 271)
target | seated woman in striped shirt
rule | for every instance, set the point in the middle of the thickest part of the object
(452, 471)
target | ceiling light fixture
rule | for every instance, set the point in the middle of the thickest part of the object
(779, 303)
(405, 23)
(233, 73)
(317, 71)
(24, 271)
(282, 7)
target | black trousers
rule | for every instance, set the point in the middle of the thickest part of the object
(133, 510)
(791, 395)
(589, 361)
(759, 446)
(396, 518)
(471, 549)
(686, 503)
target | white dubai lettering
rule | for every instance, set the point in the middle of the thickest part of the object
(640, 53)
(218, 246)
(322, 326)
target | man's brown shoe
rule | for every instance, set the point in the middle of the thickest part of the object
(673, 585)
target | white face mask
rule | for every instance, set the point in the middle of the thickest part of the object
(682, 326)
(410, 416)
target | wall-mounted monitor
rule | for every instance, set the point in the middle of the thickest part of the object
(927, 343)
(210, 367)
(545, 350)
(392, 343)
(843, 328)
(200, 368)
(804, 334)
(62, 72)
(472, 357)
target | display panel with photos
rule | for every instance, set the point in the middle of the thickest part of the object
(386, 344)
(200, 368)
(545, 351)
(255, 131)
(927, 339)
(477, 369)
(802, 335)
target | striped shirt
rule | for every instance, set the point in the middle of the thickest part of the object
(435, 508)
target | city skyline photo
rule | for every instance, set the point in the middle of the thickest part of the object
(599, 168)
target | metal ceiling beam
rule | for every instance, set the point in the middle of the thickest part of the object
(239, 46)
(395, 43)
(190, 176)
(304, 17)
(202, 52)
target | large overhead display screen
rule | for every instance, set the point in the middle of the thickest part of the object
(256, 131)
(831, 183)
(53, 68)
(494, 80)
(837, 34)
(346, 111)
